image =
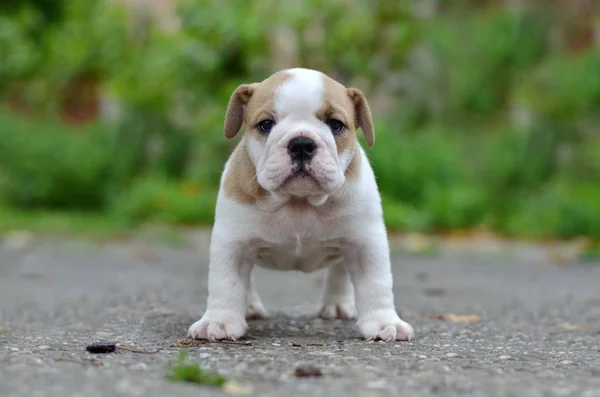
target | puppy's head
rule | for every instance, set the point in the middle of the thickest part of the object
(300, 131)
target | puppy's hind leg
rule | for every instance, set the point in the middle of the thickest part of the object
(255, 310)
(338, 295)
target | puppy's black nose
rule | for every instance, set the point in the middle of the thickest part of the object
(302, 149)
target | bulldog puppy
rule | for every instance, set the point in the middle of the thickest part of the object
(298, 193)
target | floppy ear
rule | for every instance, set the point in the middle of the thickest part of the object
(237, 108)
(362, 114)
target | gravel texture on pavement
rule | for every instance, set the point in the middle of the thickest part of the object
(530, 328)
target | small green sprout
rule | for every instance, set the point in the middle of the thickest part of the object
(183, 372)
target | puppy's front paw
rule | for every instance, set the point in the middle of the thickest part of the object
(333, 310)
(217, 325)
(385, 325)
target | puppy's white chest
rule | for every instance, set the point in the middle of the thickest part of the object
(298, 254)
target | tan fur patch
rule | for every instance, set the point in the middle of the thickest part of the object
(240, 182)
(337, 104)
(260, 105)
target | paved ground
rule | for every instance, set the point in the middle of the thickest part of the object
(539, 334)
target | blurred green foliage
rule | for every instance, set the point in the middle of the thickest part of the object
(482, 119)
(46, 165)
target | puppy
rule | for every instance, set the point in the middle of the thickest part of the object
(298, 193)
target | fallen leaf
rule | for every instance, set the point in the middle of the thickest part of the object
(18, 239)
(559, 257)
(568, 327)
(237, 389)
(418, 243)
(460, 318)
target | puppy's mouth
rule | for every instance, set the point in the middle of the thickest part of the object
(300, 172)
(301, 181)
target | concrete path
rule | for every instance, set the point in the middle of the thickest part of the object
(532, 328)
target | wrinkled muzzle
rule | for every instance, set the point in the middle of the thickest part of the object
(300, 164)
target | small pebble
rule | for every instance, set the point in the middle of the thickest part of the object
(504, 358)
(376, 384)
(321, 353)
(566, 362)
(44, 347)
(308, 371)
(451, 355)
(139, 367)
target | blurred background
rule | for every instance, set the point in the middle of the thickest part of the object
(487, 112)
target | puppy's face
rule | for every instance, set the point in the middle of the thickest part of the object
(300, 131)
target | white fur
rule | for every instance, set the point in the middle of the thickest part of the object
(345, 232)
(301, 95)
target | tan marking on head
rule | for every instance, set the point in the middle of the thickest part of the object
(240, 183)
(250, 103)
(261, 104)
(337, 104)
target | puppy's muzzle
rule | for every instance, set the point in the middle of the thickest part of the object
(301, 151)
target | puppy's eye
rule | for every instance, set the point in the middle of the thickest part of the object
(335, 125)
(266, 126)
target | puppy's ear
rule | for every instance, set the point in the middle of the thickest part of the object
(362, 114)
(237, 108)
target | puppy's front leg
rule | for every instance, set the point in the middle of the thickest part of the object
(370, 269)
(228, 279)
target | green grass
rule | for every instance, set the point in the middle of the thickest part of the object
(96, 227)
(182, 372)
(92, 225)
